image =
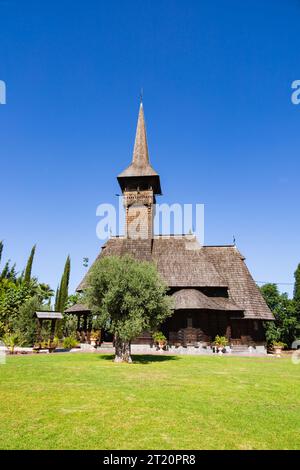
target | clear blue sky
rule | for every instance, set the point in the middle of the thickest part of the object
(221, 126)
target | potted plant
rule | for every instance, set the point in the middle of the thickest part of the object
(220, 343)
(277, 347)
(159, 339)
(95, 338)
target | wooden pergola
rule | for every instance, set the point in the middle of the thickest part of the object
(47, 315)
(84, 321)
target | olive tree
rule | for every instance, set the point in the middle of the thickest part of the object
(126, 296)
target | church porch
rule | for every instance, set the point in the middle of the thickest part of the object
(195, 328)
(198, 329)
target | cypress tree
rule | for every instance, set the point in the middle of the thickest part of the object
(27, 275)
(62, 294)
(12, 274)
(56, 305)
(1, 250)
(297, 289)
(5, 271)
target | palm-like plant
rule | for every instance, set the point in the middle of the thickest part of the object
(11, 340)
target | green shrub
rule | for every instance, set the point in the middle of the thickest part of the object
(25, 322)
(278, 344)
(70, 342)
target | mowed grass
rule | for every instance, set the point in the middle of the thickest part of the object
(85, 401)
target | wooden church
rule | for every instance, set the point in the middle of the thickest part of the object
(213, 290)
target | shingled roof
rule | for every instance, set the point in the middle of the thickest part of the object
(241, 287)
(191, 299)
(78, 308)
(183, 263)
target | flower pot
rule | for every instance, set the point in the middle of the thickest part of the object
(277, 350)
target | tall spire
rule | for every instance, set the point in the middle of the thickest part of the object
(140, 171)
(140, 156)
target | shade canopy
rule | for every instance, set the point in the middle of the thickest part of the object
(49, 315)
(78, 308)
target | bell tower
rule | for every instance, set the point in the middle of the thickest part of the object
(140, 184)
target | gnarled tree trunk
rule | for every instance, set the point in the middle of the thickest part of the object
(122, 350)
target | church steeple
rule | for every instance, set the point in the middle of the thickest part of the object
(140, 174)
(140, 152)
(139, 183)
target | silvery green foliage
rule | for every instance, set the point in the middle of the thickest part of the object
(127, 296)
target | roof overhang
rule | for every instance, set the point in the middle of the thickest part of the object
(193, 299)
(133, 181)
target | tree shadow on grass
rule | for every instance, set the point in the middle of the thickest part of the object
(143, 358)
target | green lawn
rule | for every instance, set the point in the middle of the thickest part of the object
(85, 401)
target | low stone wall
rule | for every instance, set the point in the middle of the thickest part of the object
(147, 349)
(17, 349)
(203, 351)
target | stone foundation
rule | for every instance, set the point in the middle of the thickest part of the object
(191, 350)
